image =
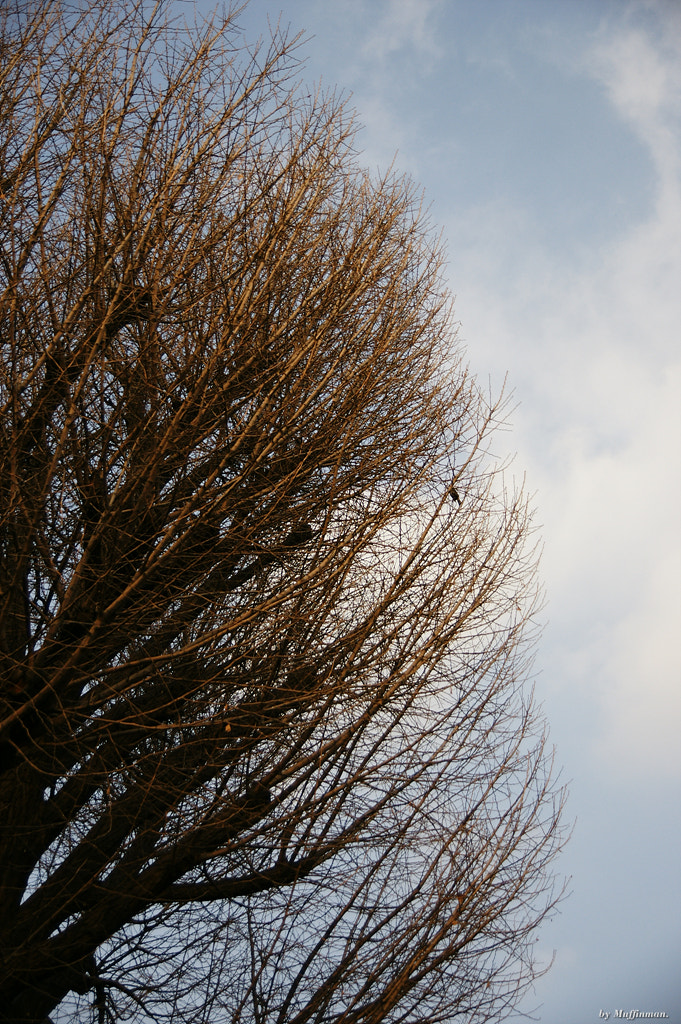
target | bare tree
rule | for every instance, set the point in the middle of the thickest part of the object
(266, 747)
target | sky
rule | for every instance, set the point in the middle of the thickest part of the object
(546, 135)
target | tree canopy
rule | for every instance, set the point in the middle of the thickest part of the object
(268, 751)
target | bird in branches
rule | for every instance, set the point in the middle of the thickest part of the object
(301, 533)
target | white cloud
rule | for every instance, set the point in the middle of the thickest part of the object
(642, 77)
(635, 311)
(594, 353)
(402, 25)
